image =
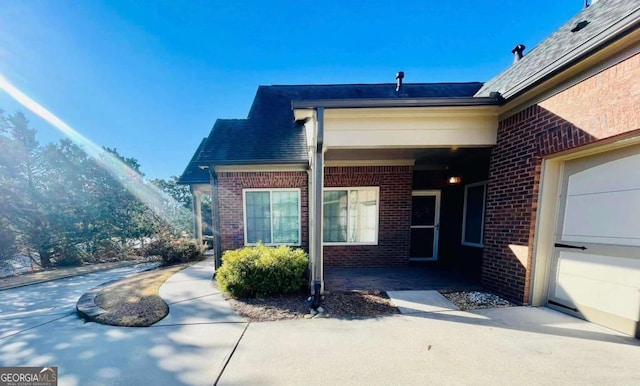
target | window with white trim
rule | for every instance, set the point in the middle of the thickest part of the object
(350, 215)
(475, 196)
(272, 216)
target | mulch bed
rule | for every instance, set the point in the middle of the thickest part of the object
(335, 305)
(357, 304)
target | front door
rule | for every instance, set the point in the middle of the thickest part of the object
(425, 223)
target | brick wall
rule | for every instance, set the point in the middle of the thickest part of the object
(395, 184)
(604, 105)
(230, 185)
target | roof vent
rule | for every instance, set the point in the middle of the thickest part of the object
(399, 78)
(517, 52)
(580, 26)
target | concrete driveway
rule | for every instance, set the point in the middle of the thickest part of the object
(202, 342)
(508, 346)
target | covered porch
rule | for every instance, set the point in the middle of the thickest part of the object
(423, 165)
(412, 278)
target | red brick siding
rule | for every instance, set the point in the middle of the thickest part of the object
(395, 183)
(604, 105)
(230, 186)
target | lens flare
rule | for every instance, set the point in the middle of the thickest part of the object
(149, 194)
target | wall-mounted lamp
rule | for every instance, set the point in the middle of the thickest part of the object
(455, 180)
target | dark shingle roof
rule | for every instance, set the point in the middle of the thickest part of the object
(270, 135)
(607, 19)
(192, 173)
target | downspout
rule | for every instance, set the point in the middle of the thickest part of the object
(215, 214)
(318, 185)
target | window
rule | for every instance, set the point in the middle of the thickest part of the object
(473, 218)
(272, 216)
(350, 215)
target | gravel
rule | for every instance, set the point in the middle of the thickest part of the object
(334, 305)
(473, 300)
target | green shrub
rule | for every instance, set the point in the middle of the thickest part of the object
(111, 250)
(263, 271)
(174, 250)
(69, 255)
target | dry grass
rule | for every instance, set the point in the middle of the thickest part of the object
(134, 301)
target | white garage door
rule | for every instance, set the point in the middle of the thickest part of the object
(596, 266)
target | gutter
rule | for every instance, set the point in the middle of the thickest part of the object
(207, 163)
(395, 102)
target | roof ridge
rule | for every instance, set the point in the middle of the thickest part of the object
(366, 84)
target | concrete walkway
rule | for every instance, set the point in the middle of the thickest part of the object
(193, 298)
(413, 302)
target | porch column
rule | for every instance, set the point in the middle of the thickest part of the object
(196, 210)
(197, 213)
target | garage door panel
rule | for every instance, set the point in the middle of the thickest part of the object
(600, 282)
(605, 218)
(589, 176)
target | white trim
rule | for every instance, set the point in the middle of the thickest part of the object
(435, 226)
(261, 168)
(346, 243)
(270, 190)
(377, 230)
(396, 162)
(412, 112)
(409, 127)
(464, 214)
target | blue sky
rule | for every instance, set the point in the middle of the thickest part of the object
(151, 77)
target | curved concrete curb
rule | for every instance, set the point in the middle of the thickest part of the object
(86, 305)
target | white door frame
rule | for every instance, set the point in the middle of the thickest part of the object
(435, 226)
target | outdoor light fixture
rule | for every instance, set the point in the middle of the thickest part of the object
(455, 180)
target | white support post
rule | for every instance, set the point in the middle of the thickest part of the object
(197, 204)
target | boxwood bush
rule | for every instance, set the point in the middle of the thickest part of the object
(263, 271)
